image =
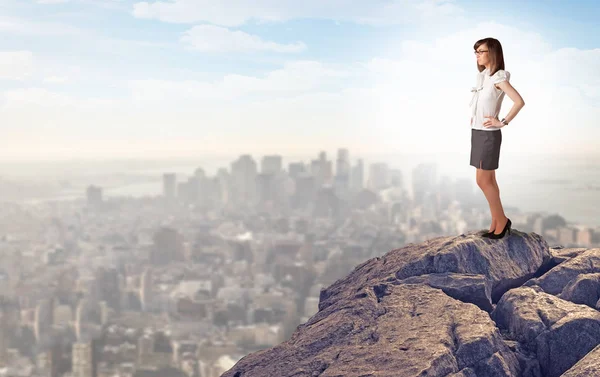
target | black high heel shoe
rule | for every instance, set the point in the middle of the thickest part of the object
(506, 228)
(487, 234)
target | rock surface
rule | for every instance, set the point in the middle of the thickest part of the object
(473, 288)
(586, 367)
(555, 280)
(559, 332)
(461, 306)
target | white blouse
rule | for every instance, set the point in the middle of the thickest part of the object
(487, 99)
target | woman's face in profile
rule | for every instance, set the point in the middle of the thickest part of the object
(482, 54)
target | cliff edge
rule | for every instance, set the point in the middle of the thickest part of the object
(458, 306)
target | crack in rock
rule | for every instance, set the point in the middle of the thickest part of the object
(450, 307)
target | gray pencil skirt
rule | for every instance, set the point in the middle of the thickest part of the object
(485, 148)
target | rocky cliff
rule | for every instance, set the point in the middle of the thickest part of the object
(461, 306)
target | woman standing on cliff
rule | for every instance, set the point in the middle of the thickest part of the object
(486, 135)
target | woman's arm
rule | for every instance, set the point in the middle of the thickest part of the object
(514, 96)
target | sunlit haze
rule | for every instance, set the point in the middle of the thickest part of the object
(111, 79)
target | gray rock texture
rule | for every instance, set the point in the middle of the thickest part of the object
(457, 306)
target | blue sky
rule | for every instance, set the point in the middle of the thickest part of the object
(93, 78)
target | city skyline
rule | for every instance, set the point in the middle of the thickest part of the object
(208, 187)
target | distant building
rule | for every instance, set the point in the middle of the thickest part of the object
(566, 236)
(357, 176)
(584, 237)
(243, 181)
(169, 185)
(538, 225)
(424, 180)
(378, 176)
(295, 169)
(167, 247)
(107, 287)
(271, 164)
(94, 196)
(85, 358)
(146, 289)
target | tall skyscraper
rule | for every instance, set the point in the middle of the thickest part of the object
(322, 170)
(378, 176)
(357, 176)
(424, 179)
(107, 287)
(88, 320)
(396, 178)
(167, 247)
(295, 168)
(266, 188)
(243, 180)
(10, 321)
(445, 192)
(342, 174)
(52, 361)
(271, 164)
(85, 358)
(94, 196)
(200, 173)
(187, 192)
(343, 163)
(463, 189)
(327, 172)
(306, 189)
(222, 184)
(3, 340)
(316, 172)
(169, 185)
(146, 289)
(145, 344)
(43, 319)
(204, 188)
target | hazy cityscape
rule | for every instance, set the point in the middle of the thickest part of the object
(180, 180)
(186, 282)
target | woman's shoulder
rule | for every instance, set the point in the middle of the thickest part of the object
(501, 73)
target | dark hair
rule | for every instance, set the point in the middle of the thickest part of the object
(494, 52)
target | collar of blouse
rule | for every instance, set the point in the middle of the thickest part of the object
(476, 90)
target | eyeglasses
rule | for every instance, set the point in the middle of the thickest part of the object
(479, 52)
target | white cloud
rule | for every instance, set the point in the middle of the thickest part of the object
(209, 38)
(238, 12)
(56, 71)
(16, 65)
(23, 26)
(20, 98)
(41, 99)
(52, 1)
(109, 4)
(58, 126)
(55, 79)
(414, 101)
(293, 78)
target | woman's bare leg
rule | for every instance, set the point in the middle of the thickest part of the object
(486, 180)
(479, 179)
(499, 208)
